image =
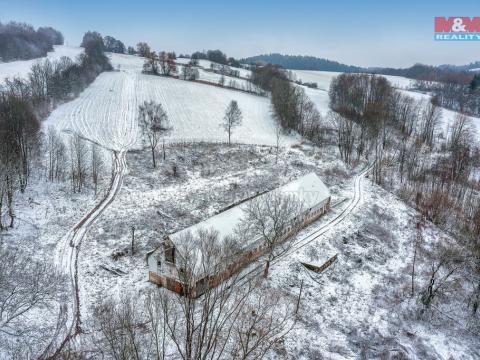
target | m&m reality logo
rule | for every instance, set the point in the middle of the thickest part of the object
(460, 28)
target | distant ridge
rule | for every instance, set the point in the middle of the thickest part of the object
(443, 73)
(299, 62)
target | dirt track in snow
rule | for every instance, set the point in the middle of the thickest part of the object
(68, 249)
(300, 242)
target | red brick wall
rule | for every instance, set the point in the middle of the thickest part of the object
(166, 282)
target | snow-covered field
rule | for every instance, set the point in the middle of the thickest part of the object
(106, 112)
(207, 63)
(324, 78)
(22, 68)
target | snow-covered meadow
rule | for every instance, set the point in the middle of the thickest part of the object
(206, 64)
(324, 78)
(106, 112)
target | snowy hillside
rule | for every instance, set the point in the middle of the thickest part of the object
(22, 68)
(207, 63)
(448, 116)
(324, 78)
(106, 112)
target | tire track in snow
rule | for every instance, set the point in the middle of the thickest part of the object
(69, 250)
(302, 242)
(118, 132)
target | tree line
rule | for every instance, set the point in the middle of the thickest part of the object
(216, 56)
(23, 102)
(20, 41)
(292, 108)
(28, 286)
(458, 96)
(299, 62)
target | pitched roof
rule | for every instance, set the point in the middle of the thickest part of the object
(308, 189)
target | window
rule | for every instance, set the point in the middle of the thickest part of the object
(170, 254)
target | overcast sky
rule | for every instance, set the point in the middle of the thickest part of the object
(365, 33)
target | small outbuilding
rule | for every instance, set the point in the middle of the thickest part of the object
(164, 269)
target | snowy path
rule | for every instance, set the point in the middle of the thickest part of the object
(114, 130)
(351, 206)
(317, 232)
(69, 247)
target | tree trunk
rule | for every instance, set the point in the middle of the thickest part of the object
(476, 301)
(133, 240)
(413, 268)
(153, 158)
(267, 268)
(10, 206)
(164, 154)
(1, 206)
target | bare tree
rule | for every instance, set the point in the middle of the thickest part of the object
(150, 66)
(416, 244)
(167, 63)
(97, 165)
(278, 140)
(232, 119)
(345, 136)
(9, 168)
(234, 317)
(157, 321)
(57, 157)
(119, 324)
(271, 218)
(445, 262)
(198, 327)
(26, 286)
(430, 119)
(460, 132)
(221, 81)
(143, 49)
(263, 321)
(154, 124)
(189, 72)
(19, 132)
(78, 163)
(19, 142)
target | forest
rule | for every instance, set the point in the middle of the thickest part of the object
(20, 41)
